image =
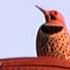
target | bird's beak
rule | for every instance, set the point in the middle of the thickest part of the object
(42, 10)
(46, 14)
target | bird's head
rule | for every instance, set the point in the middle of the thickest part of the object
(52, 17)
(54, 21)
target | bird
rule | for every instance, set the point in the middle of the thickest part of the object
(53, 39)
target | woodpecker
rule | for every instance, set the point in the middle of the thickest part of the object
(53, 38)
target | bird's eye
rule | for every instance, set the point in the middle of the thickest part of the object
(53, 17)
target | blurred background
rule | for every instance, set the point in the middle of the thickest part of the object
(20, 21)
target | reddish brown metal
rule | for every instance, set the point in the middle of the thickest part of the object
(34, 63)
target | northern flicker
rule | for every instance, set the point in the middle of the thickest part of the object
(53, 38)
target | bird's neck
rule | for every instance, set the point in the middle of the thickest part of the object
(51, 29)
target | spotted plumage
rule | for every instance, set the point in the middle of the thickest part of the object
(53, 37)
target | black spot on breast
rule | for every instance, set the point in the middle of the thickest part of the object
(63, 51)
(63, 39)
(59, 39)
(57, 54)
(52, 47)
(52, 44)
(51, 29)
(60, 48)
(62, 44)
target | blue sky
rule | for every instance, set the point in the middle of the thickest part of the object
(19, 22)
